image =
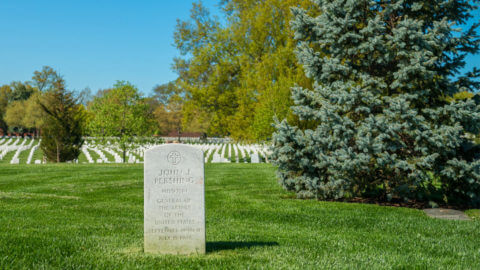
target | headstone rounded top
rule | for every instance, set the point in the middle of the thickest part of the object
(173, 145)
(176, 153)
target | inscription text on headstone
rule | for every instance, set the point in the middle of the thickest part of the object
(174, 194)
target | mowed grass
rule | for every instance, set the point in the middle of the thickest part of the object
(91, 217)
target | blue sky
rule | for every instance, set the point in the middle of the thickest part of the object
(93, 43)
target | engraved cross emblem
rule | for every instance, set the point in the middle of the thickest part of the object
(174, 157)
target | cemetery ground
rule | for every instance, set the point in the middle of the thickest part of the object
(84, 216)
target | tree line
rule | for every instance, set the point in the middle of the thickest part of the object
(45, 107)
(158, 114)
(236, 72)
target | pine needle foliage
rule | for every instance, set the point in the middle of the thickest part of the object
(386, 125)
(62, 129)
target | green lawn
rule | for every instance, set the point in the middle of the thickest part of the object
(37, 155)
(109, 156)
(474, 214)
(93, 155)
(139, 158)
(24, 154)
(82, 158)
(8, 157)
(91, 217)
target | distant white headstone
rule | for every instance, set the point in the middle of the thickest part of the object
(216, 158)
(255, 158)
(174, 200)
(37, 161)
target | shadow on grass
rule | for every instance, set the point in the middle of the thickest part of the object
(230, 245)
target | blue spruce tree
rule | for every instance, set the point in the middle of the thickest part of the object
(384, 120)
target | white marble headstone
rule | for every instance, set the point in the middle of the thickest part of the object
(174, 200)
(254, 158)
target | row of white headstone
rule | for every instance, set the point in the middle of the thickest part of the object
(21, 147)
(254, 151)
(18, 145)
(218, 150)
(131, 156)
(7, 145)
(214, 153)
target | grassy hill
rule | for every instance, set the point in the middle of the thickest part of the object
(91, 216)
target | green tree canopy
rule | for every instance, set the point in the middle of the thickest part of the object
(15, 113)
(21, 91)
(25, 114)
(47, 79)
(237, 75)
(5, 92)
(62, 126)
(168, 113)
(61, 119)
(120, 112)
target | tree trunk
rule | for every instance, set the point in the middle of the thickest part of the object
(124, 153)
(58, 152)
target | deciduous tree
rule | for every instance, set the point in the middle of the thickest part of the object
(5, 92)
(14, 114)
(21, 91)
(120, 112)
(47, 79)
(237, 75)
(169, 111)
